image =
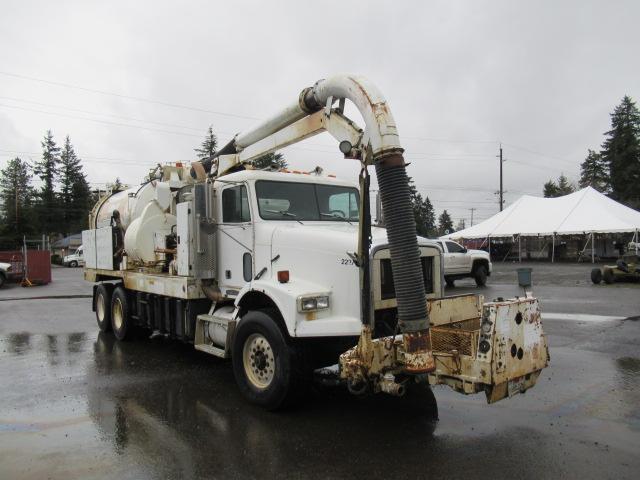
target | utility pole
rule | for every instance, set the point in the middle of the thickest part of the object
(472, 210)
(501, 192)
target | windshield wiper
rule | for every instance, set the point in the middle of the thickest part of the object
(336, 216)
(286, 214)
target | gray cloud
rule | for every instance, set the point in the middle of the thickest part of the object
(541, 75)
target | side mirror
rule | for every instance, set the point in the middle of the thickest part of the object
(464, 250)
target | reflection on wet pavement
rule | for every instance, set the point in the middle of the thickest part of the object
(86, 406)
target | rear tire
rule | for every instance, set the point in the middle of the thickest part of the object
(596, 275)
(121, 321)
(480, 275)
(608, 276)
(450, 282)
(2, 279)
(269, 369)
(103, 306)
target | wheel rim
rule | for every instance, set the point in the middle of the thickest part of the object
(258, 361)
(100, 308)
(116, 313)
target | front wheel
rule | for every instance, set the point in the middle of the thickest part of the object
(481, 275)
(450, 282)
(73, 264)
(2, 279)
(596, 276)
(268, 368)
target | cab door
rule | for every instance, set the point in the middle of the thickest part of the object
(235, 240)
(457, 257)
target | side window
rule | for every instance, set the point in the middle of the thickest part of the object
(345, 202)
(454, 247)
(235, 205)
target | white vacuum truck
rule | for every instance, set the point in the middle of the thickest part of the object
(283, 272)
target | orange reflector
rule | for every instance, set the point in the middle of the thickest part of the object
(179, 164)
(283, 276)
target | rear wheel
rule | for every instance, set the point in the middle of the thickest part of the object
(269, 369)
(121, 321)
(480, 275)
(596, 276)
(3, 279)
(608, 276)
(103, 306)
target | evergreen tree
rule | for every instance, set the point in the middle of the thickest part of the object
(621, 153)
(47, 170)
(558, 189)
(266, 161)
(423, 212)
(445, 224)
(116, 186)
(209, 146)
(75, 195)
(594, 172)
(16, 194)
(550, 189)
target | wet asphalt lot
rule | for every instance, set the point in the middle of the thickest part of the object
(77, 404)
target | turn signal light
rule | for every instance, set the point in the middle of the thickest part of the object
(283, 276)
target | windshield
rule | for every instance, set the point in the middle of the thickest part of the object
(306, 201)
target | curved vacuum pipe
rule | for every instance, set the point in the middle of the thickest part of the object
(382, 135)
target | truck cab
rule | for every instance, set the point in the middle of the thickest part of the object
(75, 259)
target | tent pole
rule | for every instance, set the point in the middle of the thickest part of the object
(489, 247)
(553, 247)
(636, 241)
(593, 250)
(519, 251)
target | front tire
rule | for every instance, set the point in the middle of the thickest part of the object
(73, 264)
(480, 275)
(121, 321)
(596, 276)
(2, 279)
(103, 306)
(268, 368)
(450, 282)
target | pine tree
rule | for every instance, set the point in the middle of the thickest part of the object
(423, 212)
(16, 193)
(558, 189)
(445, 224)
(550, 189)
(116, 186)
(594, 172)
(47, 170)
(75, 194)
(209, 146)
(621, 153)
(268, 160)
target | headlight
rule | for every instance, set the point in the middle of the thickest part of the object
(309, 304)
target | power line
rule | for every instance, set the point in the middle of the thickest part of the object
(128, 97)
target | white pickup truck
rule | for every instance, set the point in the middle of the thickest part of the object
(460, 262)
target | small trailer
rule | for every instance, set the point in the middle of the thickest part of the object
(284, 273)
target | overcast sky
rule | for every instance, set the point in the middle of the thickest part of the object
(541, 77)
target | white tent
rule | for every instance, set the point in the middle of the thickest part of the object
(581, 212)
